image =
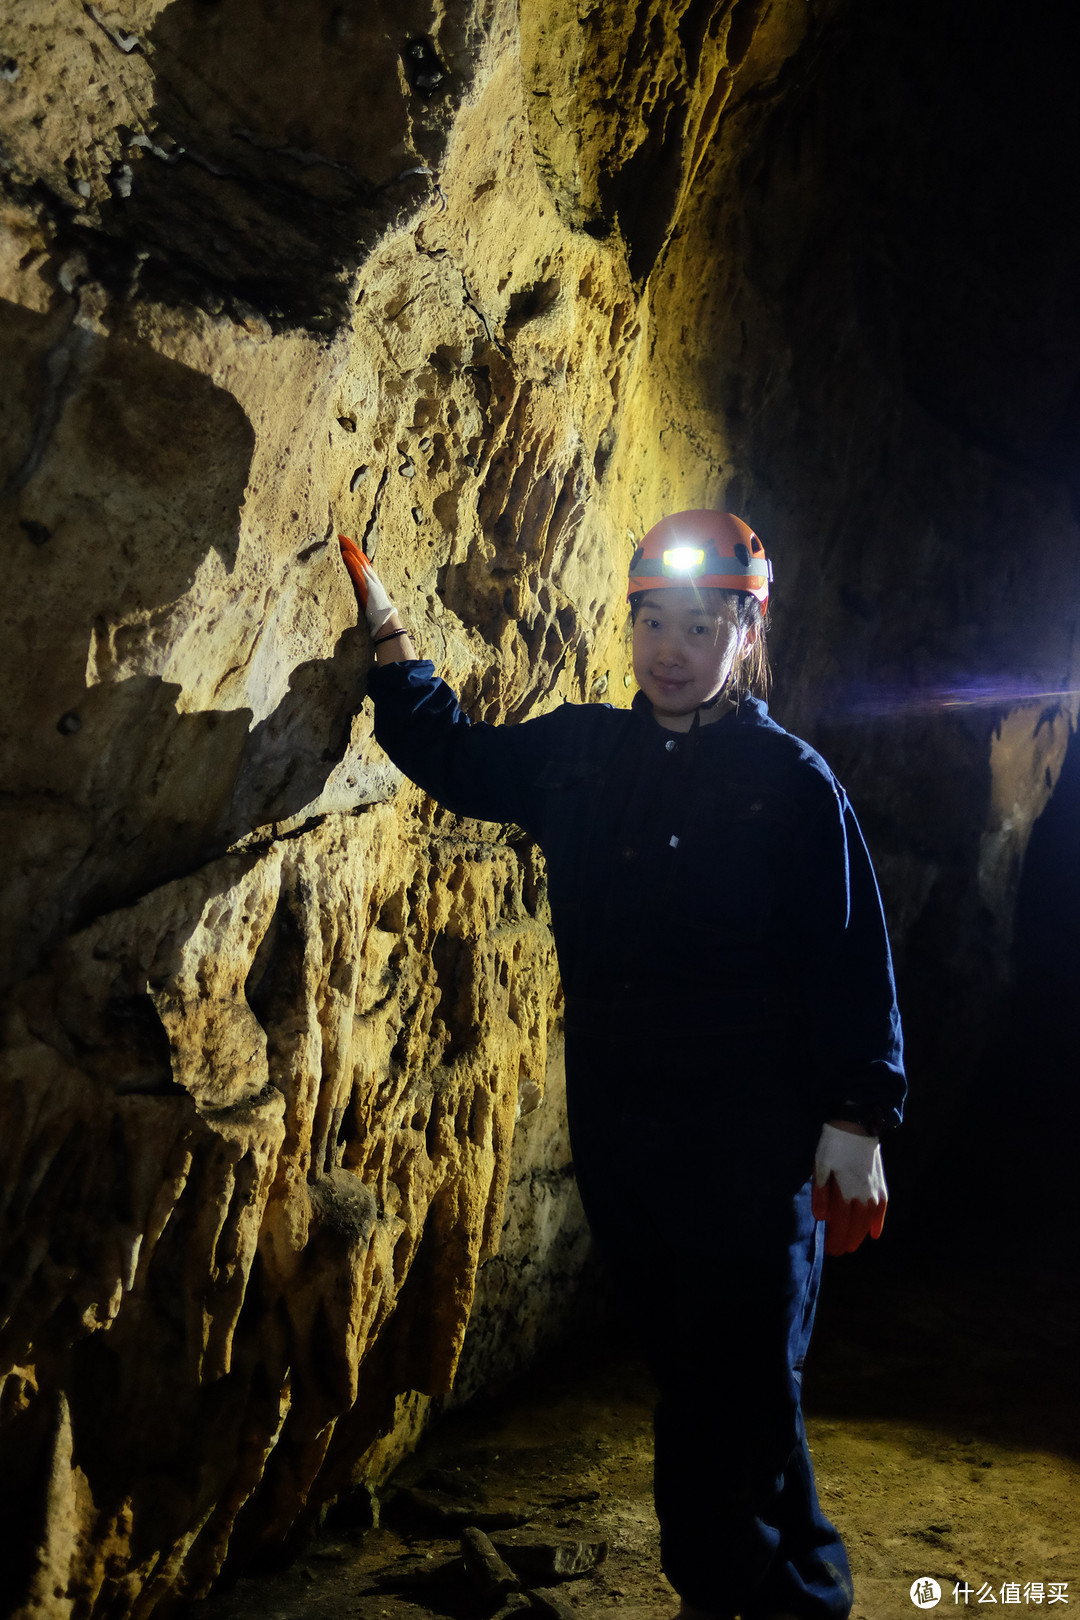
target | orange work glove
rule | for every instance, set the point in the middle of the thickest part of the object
(850, 1194)
(370, 592)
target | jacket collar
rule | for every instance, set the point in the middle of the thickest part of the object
(748, 711)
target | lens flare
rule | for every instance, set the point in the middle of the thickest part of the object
(884, 702)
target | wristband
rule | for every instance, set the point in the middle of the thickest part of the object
(389, 636)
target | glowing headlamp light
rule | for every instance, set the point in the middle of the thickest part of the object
(684, 559)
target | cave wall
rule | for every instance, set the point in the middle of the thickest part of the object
(490, 291)
(276, 1028)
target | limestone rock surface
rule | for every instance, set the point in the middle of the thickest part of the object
(489, 288)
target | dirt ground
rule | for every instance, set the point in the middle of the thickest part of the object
(944, 1423)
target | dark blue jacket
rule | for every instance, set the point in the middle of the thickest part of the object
(714, 907)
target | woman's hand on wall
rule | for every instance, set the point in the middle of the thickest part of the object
(850, 1194)
(370, 592)
(392, 640)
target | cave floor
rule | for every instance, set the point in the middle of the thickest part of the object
(944, 1424)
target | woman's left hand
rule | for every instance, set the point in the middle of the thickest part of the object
(850, 1194)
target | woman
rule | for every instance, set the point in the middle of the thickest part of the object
(733, 1047)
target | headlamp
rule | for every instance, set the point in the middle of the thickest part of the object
(683, 559)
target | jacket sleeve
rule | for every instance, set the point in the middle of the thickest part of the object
(489, 772)
(848, 976)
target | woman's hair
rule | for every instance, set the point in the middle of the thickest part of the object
(750, 674)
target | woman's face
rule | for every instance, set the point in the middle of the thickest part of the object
(685, 642)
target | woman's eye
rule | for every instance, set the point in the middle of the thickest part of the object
(698, 629)
(652, 624)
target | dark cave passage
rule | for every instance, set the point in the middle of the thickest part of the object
(1016, 1156)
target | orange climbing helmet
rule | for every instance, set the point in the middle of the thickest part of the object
(701, 548)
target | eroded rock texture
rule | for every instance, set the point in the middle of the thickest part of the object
(491, 292)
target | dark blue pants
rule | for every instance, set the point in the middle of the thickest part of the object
(702, 1214)
(741, 1528)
